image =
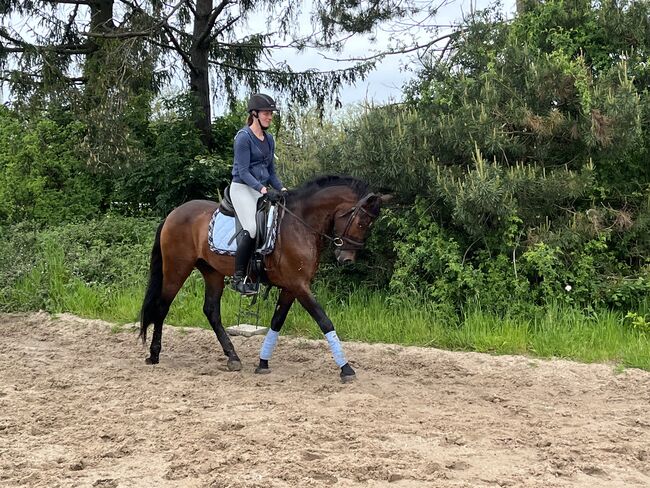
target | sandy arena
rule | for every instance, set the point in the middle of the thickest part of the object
(79, 408)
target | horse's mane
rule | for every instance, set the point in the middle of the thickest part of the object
(319, 183)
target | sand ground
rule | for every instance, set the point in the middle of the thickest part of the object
(79, 408)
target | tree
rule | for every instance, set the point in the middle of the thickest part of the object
(520, 157)
(54, 54)
(206, 37)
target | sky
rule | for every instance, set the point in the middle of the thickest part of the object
(385, 83)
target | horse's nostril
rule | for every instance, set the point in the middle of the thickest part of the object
(348, 261)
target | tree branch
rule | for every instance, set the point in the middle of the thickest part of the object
(70, 79)
(279, 72)
(162, 23)
(12, 49)
(71, 2)
(71, 20)
(116, 35)
(226, 26)
(417, 47)
(179, 49)
(18, 42)
(25, 46)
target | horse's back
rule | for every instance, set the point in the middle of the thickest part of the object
(191, 211)
(186, 227)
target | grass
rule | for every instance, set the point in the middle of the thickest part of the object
(555, 331)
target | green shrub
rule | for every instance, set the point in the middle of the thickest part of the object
(36, 263)
(41, 175)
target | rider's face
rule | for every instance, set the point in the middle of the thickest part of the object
(265, 118)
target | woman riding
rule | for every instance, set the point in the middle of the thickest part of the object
(253, 176)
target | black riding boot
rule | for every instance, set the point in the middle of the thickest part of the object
(242, 257)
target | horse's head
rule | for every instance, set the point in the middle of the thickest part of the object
(351, 226)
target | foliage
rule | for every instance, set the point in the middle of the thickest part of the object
(175, 166)
(41, 175)
(519, 161)
(35, 261)
(638, 322)
(54, 58)
(386, 146)
(561, 85)
(110, 54)
(45, 175)
(434, 262)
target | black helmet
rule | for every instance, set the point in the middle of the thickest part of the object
(259, 101)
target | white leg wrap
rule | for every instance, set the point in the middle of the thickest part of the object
(270, 340)
(335, 347)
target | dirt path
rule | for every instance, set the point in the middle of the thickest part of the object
(78, 407)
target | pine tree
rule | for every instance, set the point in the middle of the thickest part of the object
(200, 39)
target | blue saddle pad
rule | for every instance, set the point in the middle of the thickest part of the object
(222, 229)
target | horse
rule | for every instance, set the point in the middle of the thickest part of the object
(329, 208)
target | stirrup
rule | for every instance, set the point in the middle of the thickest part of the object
(244, 287)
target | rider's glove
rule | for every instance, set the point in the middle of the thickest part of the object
(273, 195)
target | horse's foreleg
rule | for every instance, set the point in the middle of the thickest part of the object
(212, 309)
(318, 314)
(285, 300)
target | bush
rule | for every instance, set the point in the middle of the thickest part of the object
(41, 175)
(35, 261)
(175, 166)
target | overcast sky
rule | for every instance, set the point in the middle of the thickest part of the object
(386, 82)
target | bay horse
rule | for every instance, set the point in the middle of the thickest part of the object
(334, 208)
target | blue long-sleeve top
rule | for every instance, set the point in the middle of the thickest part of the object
(254, 160)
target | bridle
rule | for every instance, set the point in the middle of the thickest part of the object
(342, 242)
(353, 245)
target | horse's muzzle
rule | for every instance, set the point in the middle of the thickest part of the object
(345, 257)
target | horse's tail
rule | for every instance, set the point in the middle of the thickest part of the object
(151, 302)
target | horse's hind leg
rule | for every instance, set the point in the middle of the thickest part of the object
(212, 309)
(170, 287)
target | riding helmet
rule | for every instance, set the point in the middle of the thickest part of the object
(259, 101)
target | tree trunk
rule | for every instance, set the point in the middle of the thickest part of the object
(101, 15)
(199, 79)
(101, 22)
(520, 6)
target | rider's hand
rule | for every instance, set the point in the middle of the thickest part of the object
(273, 195)
(264, 191)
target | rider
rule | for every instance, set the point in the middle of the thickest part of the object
(253, 175)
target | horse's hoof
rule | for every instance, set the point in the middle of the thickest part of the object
(348, 378)
(151, 360)
(259, 370)
(234, 365)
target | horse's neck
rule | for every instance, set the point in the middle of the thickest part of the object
(318, 210)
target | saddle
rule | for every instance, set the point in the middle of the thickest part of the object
(261, 218)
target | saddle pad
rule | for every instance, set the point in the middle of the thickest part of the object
(222, 228)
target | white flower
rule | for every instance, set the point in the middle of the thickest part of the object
(567, 288)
